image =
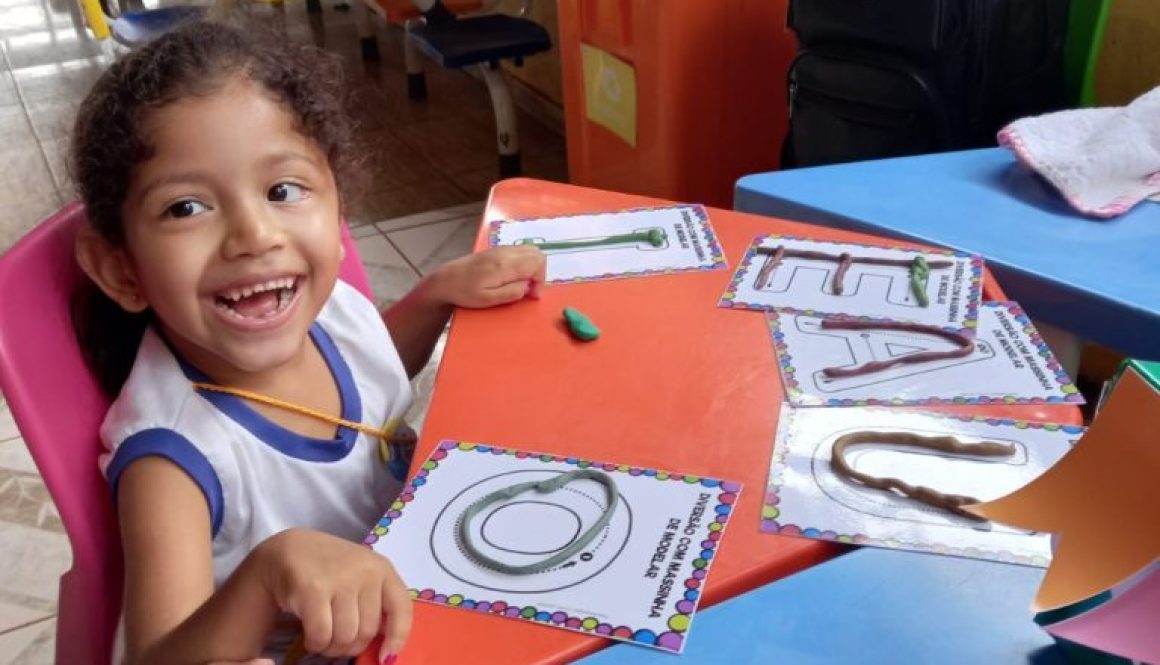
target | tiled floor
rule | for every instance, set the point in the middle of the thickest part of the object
(429, 166)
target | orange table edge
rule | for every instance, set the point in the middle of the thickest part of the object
(674, 383)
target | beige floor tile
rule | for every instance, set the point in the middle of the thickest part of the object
(7, 424)
(60, 81)
(13, 615)
(8, 96)
(14, 456)
(427, 247)
(15, 128)
(56, 155)
(24, 175)
(390, 275)
(53, 119)
(431, 217)
(33, 645)
(18, 218)
(363, 231)
(42, 47)
(32, 562)
(25, 501)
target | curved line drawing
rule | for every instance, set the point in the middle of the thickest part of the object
(441, 523)
(501, 548)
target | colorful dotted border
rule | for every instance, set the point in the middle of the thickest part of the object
(770, 512)
(709, 237)
(678, 623)
(795, 393)
(974, 292)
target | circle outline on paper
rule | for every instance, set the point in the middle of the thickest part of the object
(447, 552)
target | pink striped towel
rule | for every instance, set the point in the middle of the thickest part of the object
(1102, 160)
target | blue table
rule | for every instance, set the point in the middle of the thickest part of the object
(870, 606)
(1098, 279)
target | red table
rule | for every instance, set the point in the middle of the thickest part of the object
(673, 383)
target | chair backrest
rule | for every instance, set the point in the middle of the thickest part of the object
(58, 408)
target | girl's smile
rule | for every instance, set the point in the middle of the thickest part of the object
(259, 304)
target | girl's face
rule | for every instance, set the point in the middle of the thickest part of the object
(232, 231)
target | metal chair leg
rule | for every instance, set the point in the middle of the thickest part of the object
(366, 31)
(413, 60)
(506, 132)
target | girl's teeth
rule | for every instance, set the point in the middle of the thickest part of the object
(247, 291)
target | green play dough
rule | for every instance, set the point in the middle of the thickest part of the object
(580, 326)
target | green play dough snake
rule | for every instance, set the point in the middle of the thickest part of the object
(580, 325)
(612, 495)
(654, 237)
(919, 274)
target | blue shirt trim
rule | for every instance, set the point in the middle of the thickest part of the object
(177, 449)
(281, 439)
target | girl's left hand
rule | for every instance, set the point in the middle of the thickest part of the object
(496, 276)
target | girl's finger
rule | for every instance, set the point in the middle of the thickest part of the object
(344, 611)
(396, 617)
(317, 624)
(506, 293)
(370, 616)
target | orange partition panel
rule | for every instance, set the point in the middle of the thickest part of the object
(710, 98)
(673, 383)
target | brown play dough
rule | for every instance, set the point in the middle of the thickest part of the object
(965, 346)
(951, 503)
(844, 260)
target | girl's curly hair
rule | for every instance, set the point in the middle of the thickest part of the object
(196, 59)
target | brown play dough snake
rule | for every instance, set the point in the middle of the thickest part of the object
(844, 260)
(951, 503)
(965, 346)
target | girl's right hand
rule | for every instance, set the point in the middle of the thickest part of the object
(344, 594)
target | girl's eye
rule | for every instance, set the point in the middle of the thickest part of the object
(285, 192)
(185, 208)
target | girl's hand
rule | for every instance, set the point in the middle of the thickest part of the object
(344, 594)
(496, 276)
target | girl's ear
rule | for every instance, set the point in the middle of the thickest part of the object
(109, 268)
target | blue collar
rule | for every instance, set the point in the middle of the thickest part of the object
(278, 437)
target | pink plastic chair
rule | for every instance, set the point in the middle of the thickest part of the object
(58, 408)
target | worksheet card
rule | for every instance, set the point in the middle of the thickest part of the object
(638, 580)
(808, 497)
(1008, 363)
(852, 280)
(630, 243)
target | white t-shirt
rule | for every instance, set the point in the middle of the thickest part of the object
(259, 478)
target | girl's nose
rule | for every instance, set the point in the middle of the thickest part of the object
(250, 232)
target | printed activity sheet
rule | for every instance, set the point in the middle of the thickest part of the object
(599, 548)
(1008, 364)
(630, 243)
(940, 288)
(809, 496)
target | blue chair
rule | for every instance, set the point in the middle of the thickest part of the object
(458, 41)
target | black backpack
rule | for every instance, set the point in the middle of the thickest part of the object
(886, 78)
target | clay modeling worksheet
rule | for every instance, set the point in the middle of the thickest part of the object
(558, 549)
(1008, 363)
(802, 276)
(807, 496)
(630, 243)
